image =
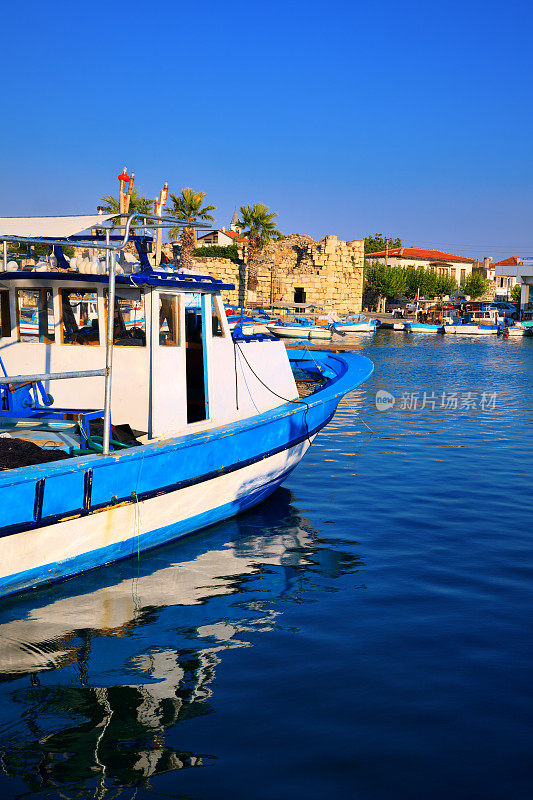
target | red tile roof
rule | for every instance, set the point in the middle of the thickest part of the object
(507, 262)
(426, 255)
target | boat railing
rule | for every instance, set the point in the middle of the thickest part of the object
(52, 376)
(105, 240)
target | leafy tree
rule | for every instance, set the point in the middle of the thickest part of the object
(430, 286)
(516, 292)
(446, 285)
(475, 285)
(138, 203)
(258, 225)
(187, 206)
(386, 282)
(376, 243)
(414, 279)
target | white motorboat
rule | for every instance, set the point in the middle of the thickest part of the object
(518, 329)
(361, 326)
(295, 330)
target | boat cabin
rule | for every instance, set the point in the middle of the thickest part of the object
(175, 365)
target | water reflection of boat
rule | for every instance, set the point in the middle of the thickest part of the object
(83, 728)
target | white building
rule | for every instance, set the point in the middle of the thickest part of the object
(505, 280)
(522, 271)
(221, 236)
(458, 267)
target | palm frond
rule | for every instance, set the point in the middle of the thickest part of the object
(257, 221)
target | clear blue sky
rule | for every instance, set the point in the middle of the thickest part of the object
(407, 118)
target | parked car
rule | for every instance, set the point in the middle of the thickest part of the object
(506, 308)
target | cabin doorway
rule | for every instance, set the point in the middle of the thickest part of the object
(196, 362)
(299, 295)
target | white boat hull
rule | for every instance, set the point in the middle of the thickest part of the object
(295, 332)
(356, 327)
(470, 330)
(518, 330)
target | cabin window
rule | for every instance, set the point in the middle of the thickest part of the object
(35, 314)
(79, 317)
(169, 329)
(5, 316)
(216, 320)
(129, 328)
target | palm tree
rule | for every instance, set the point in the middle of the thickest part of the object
(187, 206)
(138, 203)
(258, 225)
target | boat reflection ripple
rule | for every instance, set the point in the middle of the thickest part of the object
(100, 669)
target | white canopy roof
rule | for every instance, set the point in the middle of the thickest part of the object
(51, 227)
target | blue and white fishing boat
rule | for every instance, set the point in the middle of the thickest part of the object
(360, 325)
(115, 439)
(425, 327)
(483, 322)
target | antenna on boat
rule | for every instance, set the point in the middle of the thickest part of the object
(158, 210)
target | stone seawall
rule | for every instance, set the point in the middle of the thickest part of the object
(328, 273)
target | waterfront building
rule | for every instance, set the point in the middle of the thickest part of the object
(458, 267)
(505, 280)
(522, 272)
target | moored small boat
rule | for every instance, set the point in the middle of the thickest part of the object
(518, 329)
(467, 329)
(481, 322)
(425, 327)
(364, 326)
(300, 329)
(401, 326)
(250, 324)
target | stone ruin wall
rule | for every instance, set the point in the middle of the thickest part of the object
(329, 271)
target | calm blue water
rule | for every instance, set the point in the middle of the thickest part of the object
(366, 633)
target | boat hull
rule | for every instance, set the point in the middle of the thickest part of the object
(356, 327)
(62, 518)
(518, 330)
(472, 330)
(421, 327)
(67, 547)
(296, 332)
